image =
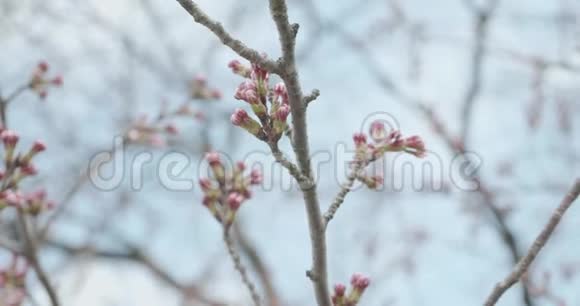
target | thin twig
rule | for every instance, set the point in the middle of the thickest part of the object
(525, 262)
(236, 45)
(30, 252)
(339, 199)
(251, 252)
(240, 268)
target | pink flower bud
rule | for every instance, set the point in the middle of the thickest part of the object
(280, 91)
(339, 290)
(213, 158)
(216, 94)
(359, 139)
(9, 138)
(240, 166)
(239, 117)
(200, 80)
(13, 198)
(377, 131)
(282, 112)
(42, 66)
(57, 81)
(42, 94)
(171, 129)
(38, 146)
(235, 200)
(29, 170)
(157, 141)
(256, 177)
(359, 281)
(205, 184)
(395, 139)
(415, 146)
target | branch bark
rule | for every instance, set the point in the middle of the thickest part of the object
(525, 262)
(289, 74)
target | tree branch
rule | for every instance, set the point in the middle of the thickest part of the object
(289, 73)
(236, 45)
(536, 247)
(240, 267)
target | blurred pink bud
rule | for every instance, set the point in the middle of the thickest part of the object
(360, 281)
(9, 138)
(200, 80)
(42, 94)
(417, 146)
(38, 146)
(216, 94)
(43, 66)
(157, 141)
(339, 290)
(359, 139)
(29, 170)
(205, 184)
(171, 129)
(13, 198)
(256, 177)
(235, 200)
(377, 131)
(240, 166)
(213, 158)
(56, 81)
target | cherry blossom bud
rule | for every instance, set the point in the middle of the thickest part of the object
(216, 94)
(56, 81)
(205, 184)
(200, 80)
(43, 66)
(157, 141)
(377, 131)
(415, 146)
(359, 281)
(38, 146)
(360, 139)
(171, 129)
(241, 118)
(280, 91)
(42, 94)
(256, 177)
(282, 113)
(235, 201)
(213, 158)
(339, 289)
(9, 138)
(239, 69)
(28, 170)
(13, 198)
(240, 166)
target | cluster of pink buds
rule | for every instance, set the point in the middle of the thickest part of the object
(151, 133)
(269, 104)
(17, 166)
(199, 90)
(39, 82)
(32, 204)
(226, 189)
(13, 283)
(358, 284)
(385, 141)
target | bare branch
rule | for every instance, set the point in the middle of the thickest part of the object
(536, 247)
(289, 73)
(339, 199)
(30, 252)
(236, 45)
(240, 268)
(311, 97)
